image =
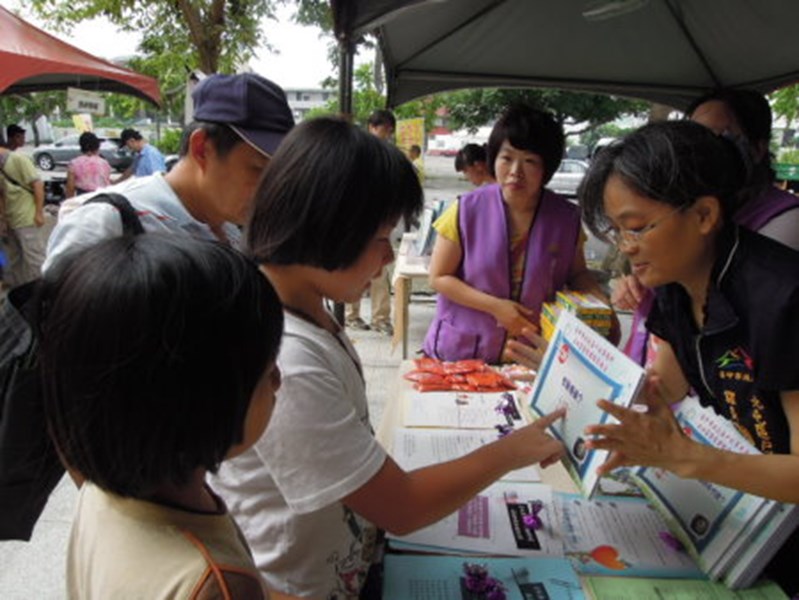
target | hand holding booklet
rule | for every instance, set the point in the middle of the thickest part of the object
(578, 368)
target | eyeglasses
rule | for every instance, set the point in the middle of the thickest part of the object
(622, 237)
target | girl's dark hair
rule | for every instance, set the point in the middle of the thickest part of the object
(221, 135)
(527, 128)
(328, 189)
(468, 155)
(88, 142)
(151, 349)
(674, 162)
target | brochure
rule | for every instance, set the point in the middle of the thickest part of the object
(578, 368)
(614, 588)
(492, 523)
(462, 410)
(620, 536)
(718, 525)
(443, 577)
(414, 448)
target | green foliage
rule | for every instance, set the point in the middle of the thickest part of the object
(366, 99)
(29, 108)
(592, 136)
(213, 35)
(474, 108)
(170, 141)
(785, 103)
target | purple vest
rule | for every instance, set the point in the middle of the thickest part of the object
(753, 215)
(458, 332)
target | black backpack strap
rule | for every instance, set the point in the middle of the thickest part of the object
(130, 220)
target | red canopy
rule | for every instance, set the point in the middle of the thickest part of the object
(35, 61)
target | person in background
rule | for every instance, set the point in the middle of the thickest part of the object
(745, 117)
(239, 121)
(505, 249)
(381, 123)
(726, 312)
(15, 137)
(415, 156)
(185, 394)
(23, 197)
(318, 480)
(89, 171)
(148, 159)
(471, 161)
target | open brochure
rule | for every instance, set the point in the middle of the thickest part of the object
(615, 588)
(580, 367)
(462, 410)
(623, 537)
(492, 523)
(722, 527)
(440, 577)
(606, 536)
(415, 447)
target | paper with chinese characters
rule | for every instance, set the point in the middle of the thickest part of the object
(461, 410)
(414, 448)
(492, 523)
(579, 368)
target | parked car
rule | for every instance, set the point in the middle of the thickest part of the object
(568, 176)
(64, 150)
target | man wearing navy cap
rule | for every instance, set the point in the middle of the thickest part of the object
(239, 121)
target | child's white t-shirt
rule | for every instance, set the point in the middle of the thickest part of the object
(285, 492)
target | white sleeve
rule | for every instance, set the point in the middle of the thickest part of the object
(80, 227)
(316, 447)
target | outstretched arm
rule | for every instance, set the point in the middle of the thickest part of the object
(402, 502)
(655, 439)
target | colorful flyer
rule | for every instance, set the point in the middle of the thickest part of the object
(579, 368)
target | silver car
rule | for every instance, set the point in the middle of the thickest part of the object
(568, 176)
(64, 150)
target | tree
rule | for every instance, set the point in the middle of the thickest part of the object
(212, 35)
(366, 99)
(28, 108)
(473, 108)
(785, 103)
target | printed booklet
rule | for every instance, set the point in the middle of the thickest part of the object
(442, 577)
(580, 367)
(731, 534)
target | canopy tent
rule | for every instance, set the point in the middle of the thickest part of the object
(667, 51)
(34, 61)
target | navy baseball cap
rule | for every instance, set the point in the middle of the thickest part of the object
(251, 105)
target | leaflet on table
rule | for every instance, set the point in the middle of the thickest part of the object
(461, 410)
(710, 519)
(414, 448)
(762, 546)
(442, 577)
(580, 367)
(619, 536)
(607, 588)
(492, 523)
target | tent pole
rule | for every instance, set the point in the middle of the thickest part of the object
(346, 52)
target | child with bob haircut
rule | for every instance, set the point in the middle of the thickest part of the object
(317, 479)
(158, 358)
(726, 307)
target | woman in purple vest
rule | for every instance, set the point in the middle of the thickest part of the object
(504, 249)
(745, 117)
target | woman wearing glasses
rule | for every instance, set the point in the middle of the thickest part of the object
(726, 306)
(745, 117)
(504, 249)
